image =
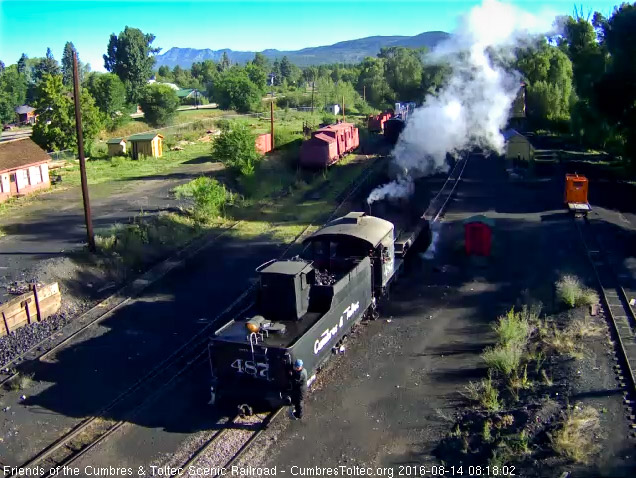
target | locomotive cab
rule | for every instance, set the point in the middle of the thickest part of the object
(354, 236)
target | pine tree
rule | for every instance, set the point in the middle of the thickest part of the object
(22, 63)
(67, 63)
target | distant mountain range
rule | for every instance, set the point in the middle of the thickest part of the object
(351, 51)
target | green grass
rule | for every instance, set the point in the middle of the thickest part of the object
(121, 168)
(572, 293)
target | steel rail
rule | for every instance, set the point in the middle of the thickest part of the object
(622, 324)
(210, 444)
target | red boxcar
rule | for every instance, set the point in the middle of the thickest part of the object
(329, 144)
(264, 143)
(376, 123)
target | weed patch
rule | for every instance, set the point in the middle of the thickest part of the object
(484, 393)
(572, 293)
(574, 439)
(504, 358)
(19, 382)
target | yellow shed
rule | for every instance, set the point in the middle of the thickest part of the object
(146, 144)
(116, 146)
(518, 146)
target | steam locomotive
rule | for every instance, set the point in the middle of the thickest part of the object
(304, 309)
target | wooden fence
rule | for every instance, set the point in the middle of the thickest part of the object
(33, 306)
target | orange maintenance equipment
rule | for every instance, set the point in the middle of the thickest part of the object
(575, 188)
(576, 193)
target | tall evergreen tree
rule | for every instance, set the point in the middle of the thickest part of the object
(225, 62)
(46, 66)
(22, 63)
(67, 63)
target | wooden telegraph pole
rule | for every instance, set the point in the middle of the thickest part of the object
(271, 121)
(364, 92)
(82, 160)
(313, 85)
(343, 110)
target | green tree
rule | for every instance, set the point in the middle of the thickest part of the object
(109, 93)
(165, 73)
(236, 148)
(13, 90)
(224, 64)
(261, 61)
(372, 79)
(616, 90)
(46, 66)
(257, 75)
(130, 57)
(403, 71)
(55, 128)
(67, 63)
(234, 90)
(548, 74)
(159, 104)
(22, 63)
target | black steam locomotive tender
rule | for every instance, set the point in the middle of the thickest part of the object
(304, 309)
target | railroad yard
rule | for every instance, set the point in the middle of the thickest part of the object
(396, 256)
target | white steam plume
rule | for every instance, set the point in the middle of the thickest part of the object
(473, 106)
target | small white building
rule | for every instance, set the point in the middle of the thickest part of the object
(333, 109)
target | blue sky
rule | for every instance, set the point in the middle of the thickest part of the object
(30, 26)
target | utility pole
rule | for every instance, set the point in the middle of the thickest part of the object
(343, 110)
(271, 121)
(82, 160)
(313, 85)
(364, 93)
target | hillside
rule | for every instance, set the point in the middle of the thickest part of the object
(350, 51)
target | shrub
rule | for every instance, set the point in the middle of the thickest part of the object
(571, 292)
(513, 328)
(503, 358)
(575, 437)
(209, 196)
(20, 382)
(485, 393)
(159, 104)
(236, 148)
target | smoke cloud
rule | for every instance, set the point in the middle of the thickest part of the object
(473, 106)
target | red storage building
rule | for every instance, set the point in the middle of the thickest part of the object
(478, 235)
(264, 143)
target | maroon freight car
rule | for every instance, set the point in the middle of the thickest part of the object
(376, 123)
(329, 144)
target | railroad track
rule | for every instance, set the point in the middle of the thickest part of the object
(98, 313)
(433, 214)
(225, 448)
(92, 431)
(619, 313)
